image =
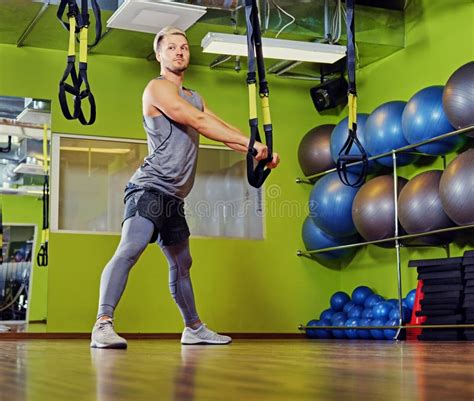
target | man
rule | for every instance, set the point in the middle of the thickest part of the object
(173, 117)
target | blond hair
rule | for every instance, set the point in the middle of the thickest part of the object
(166, 31)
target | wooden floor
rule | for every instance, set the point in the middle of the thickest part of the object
(246, 370)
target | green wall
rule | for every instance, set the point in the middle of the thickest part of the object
(240, 286)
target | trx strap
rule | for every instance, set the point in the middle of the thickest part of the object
(257, 175)
(78, 24)
(345, 157)
(42, 257)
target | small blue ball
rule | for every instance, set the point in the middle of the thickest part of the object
(376, 333)
(360, 294)
(339, 333)
(356, 312)
(371, 300)
(390, 334)
(326, 314)
(311, 333)
(381, 310)
(323, 333)
(339, 300)
(339, 316)
(410, 299)
(347, 307)
(367, 313)
(351, 333)
(365, 334)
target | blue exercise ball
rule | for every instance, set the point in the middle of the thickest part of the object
(367, 313)
(390, 334)
(383, 133)
(365, 334)
(338, 300)
(311, 333)
(424, 118)
(339, 137)
(323, 333)
(372, 300)
(410, 298)
(351, 333)
(381, 310)
(315, 238)
(326, 314)
(330, 205)
(356, 311)
(360, 294)
(376, 333)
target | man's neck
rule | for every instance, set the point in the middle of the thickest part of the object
(177, 79)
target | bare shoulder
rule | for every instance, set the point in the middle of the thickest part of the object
(156, 87)
(157, 96)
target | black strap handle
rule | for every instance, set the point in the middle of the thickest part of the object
(257, 173)
(42, 256)
(345, 158)
(78, 78)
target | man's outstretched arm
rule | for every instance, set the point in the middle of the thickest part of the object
(240, 148)
(165, 97)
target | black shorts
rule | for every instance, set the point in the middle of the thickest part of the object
(164, 211)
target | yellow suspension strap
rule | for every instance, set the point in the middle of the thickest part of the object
(42, 257)
(345, 157)
(257, 175)
(78, 23)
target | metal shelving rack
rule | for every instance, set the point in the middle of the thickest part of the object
(396, 238)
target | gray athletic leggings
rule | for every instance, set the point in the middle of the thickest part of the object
(136, 234)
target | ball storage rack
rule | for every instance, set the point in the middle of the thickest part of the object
(397, 239)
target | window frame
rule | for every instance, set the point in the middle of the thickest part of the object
(55, 184)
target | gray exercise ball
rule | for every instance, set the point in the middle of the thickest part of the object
(373, 209)
(456, 189)
(458, 97)
(314, 152)
(420, 209)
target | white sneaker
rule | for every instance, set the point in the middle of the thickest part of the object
(104, 336)
(203, 335)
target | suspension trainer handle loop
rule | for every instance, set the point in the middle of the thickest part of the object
(257, 174)
(78, 23)
(345, 157)
(42, 256)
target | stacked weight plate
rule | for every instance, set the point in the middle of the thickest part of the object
(443, 296)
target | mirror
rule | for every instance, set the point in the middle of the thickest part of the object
(15, 275)
(24, 123)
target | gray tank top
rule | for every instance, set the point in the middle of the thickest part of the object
(170, 166)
